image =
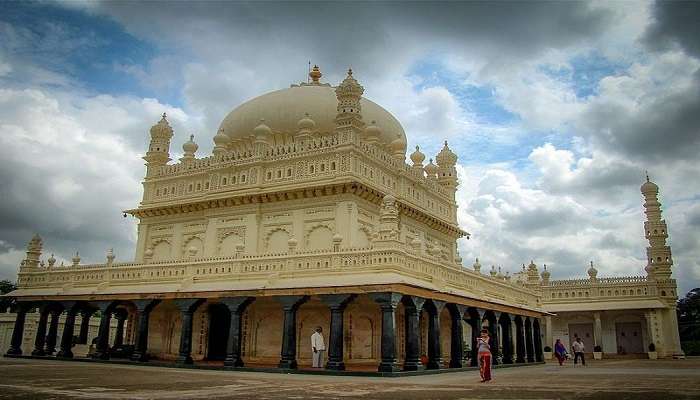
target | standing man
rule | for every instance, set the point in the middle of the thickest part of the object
(318, 346)
(578, 349)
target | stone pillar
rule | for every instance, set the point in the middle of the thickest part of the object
(457, 356)
(493, 317)
(85, 325)
(53, 332)
(290, 305)
(519, 339)
(529, 343)
(40, 339)
(388, 302)
(143, 312)
(537, 336)
(413, 306)
(434, 344)
(102, 345)
(18, 330)
(476, 316)
(597, 330)
(674, 339)
(505, 323)
(187, 308)
(68, 327)
(549, 341)
(120, 316)
(337, 303)
(236, 306)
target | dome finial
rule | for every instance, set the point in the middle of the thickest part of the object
(315, 74)
(349, 71)
(647, 174)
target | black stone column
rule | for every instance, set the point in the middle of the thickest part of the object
(493, 317)
(85, 325)
(187, 308)
(68, 327)
(529, 346)
(290, 305)
(40, 339)
(236, 307)
(120, 315)
(143, 312)
(475, 322)
(388, 302)
(102, 345)
(18, 330)
(539, 357)
(413, 306)
(434, 344)
(507, 338)
(519, 339)
(53, 332)
(457, 359)
(337, 303)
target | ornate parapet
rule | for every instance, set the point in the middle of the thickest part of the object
(615, 288)
(350, 267)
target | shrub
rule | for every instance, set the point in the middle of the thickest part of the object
(597, 349)
(547, 349)
(691, 347)
(652, 347)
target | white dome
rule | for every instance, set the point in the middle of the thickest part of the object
(282, 110)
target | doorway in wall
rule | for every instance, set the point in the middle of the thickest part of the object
(629, 337)
(219, 322)
(585, 332)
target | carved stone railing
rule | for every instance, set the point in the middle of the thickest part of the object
(573, 290)
(279, 267)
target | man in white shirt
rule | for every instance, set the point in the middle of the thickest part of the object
(318, 346)
(578, 349)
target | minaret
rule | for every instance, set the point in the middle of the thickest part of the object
(349, 93)
(159, 150)
(33, 253)
(447, 173)
(659, 259)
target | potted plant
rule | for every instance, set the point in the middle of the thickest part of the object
(597, 353)
(547, 353)
(652, 352)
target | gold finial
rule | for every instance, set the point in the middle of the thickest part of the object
(349, 71)
(315, 74)
(164, 115)
(191, 138)
(647, 174)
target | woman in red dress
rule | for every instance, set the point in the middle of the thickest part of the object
(484, 355)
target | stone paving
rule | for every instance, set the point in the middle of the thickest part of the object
(607, 379)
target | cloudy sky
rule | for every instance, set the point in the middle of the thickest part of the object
(555, 110)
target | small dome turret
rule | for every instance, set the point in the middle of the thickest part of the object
(477, 265)
(592, 272)
(649, 187)
(373, 132)
(262, 131)
(162, 129)
(306, 124)
(417, 158)
(446, 158)
(431, 170)
(493, 271)
(190, 146)
(397, 148)
(76, 258)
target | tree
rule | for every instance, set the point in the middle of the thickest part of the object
(6, 286)
(688, 309)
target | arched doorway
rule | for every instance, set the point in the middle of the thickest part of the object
(219, 322)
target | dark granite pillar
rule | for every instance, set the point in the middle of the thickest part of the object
(388, 302)
(457, 356)
(477, 314)
(143, 313)
(507, 338)
(493, 317)
(413, 306)
(187, 308)
(18, 330)
(236, 306)
(519, 339)
(434, 343)
(537, 336)
(40, 339)
(51, 337)
(120, 315)
(290, 305)
(337, 303)
(102, 345)
(86, 314)
(66, 350)
(529, 345)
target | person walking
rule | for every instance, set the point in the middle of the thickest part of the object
(560, 351)
(484, 355)
(318, 346)
(578, 349)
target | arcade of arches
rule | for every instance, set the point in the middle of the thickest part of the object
(387, 331)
